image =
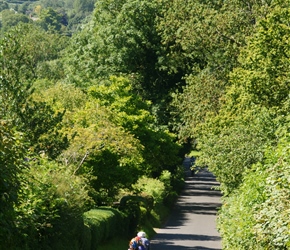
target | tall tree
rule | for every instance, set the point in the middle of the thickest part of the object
(257, 98)
(122, 39)
(160, 152)
(264, 62)
(36, 119)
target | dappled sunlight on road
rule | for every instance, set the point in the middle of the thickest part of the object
(192, 222)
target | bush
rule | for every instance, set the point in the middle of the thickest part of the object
(11, 162)
(257, 215)
(151, 187)
(104, 224)
(236, 218)
(273, 217)
(51, 206)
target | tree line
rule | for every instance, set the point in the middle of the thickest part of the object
(64, 16)
(141, 83)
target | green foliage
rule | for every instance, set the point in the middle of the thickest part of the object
(121, 38)
(22, 49)
(12, 152)
(50, 20)
(199, 99)
(10, 18)
(234, 149)
(73, 12)
(84, 5)
(132, 113)
(200, 34)
(273, 218)
(151, 187)
(19, 58)
(50, 70)
(236, 218)
(41, 125)
(98, 146)
(226, 63)
(51, 205)
(15, 70)
(60, 96)
(104, 224)
(264, 62)
(256, 215)
(202, 41)
(229, 145)
(117, 94)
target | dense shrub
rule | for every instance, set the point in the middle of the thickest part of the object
(11, 162)
(51, 206)
(104, 224)
(236, 218)
(152, 187)
(273, 217)
(174, 187)
(257, 215)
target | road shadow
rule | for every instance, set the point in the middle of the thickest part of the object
(201, 200)
(168, 246)
(168, 241)
(202, 191)
(196, 237)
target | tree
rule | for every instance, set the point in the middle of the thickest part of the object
(50, 19)
(36, 119)
(256, 215)
(202, 40)
(4, 5)
(200, 98)
(229, 146)
(264, 62)
(121, 39)
(133, 114)
(99, 147)
(243, 144)
(10, 19)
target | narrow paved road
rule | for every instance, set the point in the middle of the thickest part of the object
(192, 223)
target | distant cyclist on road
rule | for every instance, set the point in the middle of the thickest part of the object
(145, 241)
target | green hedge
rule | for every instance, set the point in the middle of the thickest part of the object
(104, 224)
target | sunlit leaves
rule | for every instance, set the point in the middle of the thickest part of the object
(273, 217)
(257, 214)
(236, 218)
(104, 148)
(19, 57)
(265, 61)
(117, 94)
(200, 98)
(52, 198)
(132, 113)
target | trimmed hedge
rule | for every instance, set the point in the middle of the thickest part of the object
(104, 224)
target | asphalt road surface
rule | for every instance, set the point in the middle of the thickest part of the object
(192, 224)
